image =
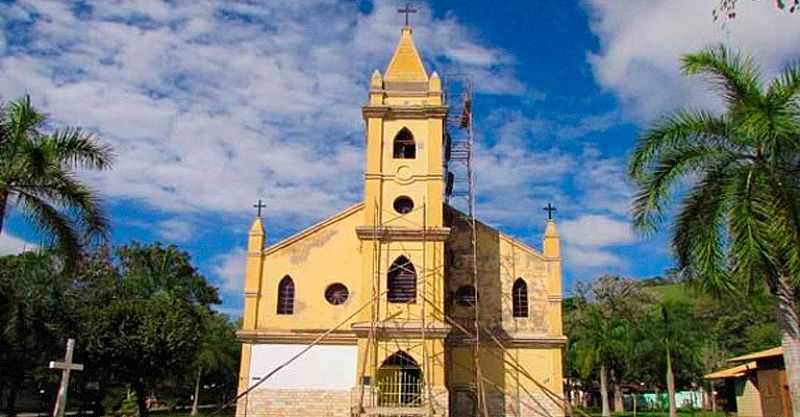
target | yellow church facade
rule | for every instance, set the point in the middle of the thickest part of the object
(373, 311)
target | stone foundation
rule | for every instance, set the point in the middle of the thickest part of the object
(295, 403)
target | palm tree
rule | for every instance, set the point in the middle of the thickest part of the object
(738, 225)
(596, 342)
(37, 177)
(218, 352)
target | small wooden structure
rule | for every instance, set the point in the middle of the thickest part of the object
(758, 384)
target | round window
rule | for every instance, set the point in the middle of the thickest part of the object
(337, 294)
(466, 295)
(403, 205)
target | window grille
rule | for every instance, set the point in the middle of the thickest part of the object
(404, 146)
(402, 282)
(399, 382)
(466, 295)
(286, 296)
(519, 298)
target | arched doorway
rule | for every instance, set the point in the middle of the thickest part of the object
(399, 382)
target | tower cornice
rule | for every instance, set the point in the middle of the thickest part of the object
(406, 112)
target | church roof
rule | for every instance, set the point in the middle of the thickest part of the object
(406, 64)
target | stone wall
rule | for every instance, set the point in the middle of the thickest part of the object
(295, 403)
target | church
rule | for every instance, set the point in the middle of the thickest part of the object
(374, 310)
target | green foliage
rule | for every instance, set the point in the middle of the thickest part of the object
(141, 317)
(632, 337)
(37, 175)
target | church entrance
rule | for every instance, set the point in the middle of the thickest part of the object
(399, 382)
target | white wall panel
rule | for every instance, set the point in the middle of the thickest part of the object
(322, 367)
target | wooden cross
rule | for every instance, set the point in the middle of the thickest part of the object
(66, 367)
(407, 10)
(549, 209)
(259, 206)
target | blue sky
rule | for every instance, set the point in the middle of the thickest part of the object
(212, 105)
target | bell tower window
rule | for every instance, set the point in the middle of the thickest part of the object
(404, 145)
(402, 281)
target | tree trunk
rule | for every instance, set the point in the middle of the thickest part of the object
(790, 329)
(141, 402)
(635, 394)
(604, 391)
(196, 392)
(619, 404)
(11, 405)
(3, 203)
(670, 386)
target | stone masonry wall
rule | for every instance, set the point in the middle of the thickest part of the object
(295, 403)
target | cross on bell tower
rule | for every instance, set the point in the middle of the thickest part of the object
(549, 208)
(406, 10)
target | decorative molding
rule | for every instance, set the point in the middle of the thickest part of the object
(405, 112)
(407, 329)
(342, 337)
(388, 233)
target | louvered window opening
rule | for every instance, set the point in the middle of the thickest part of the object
(519, 298)
(404, 145)
(402, 282)
(286, 296)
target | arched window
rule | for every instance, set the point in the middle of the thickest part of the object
(286, 296)
(519, 298)
(404, 146)
(466, 295)
(402, 281)
(399, 382)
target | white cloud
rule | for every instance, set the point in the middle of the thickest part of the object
(230, 268)
(642, 42)
(591, 230)
(175, 230)
(582, 258)
(12, 245)
(210, 105)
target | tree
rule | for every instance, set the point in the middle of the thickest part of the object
(32, 317)
(143, 318)
(602, 331)
(218, 352)
(738, 227)
(37, 177)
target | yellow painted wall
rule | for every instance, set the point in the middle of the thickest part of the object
(328, 255)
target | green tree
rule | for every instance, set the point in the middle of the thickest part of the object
(738, 226)
(602, 332)
(37, 177)
(143, 318)
(218, 353)
(32, 320)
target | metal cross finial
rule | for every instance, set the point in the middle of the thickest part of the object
(259, 206)
(549, 209)
(407, 10)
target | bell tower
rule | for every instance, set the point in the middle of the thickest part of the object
(402, 234)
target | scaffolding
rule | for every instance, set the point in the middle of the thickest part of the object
(398, 388)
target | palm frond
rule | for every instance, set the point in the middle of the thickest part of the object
(657, 184)
(66, 238)
(750, 256)
(734, 74)
(76, 148)
(682, 129)
(785, 88)
(698, 236)
(63, 189)
(23, 119)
